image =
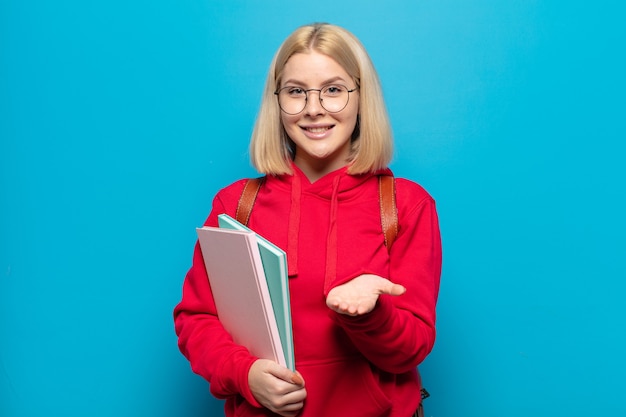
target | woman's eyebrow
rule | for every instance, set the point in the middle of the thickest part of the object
(303, 84)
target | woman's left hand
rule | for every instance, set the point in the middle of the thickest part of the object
(359, 296)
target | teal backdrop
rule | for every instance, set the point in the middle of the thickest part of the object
(119, 120)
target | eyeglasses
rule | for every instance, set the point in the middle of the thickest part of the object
(333, 98)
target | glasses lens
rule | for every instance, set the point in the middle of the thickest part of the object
(292, 100)
(334, 98)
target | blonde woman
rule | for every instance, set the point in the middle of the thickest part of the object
(363, 314)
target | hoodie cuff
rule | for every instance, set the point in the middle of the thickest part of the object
(244, 385)
(231, 378)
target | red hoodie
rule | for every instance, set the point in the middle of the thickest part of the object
(331, 230)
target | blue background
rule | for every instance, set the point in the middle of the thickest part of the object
(119, 120)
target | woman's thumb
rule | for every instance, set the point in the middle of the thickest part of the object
(394, 289)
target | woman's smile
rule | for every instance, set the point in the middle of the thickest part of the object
(317, 132)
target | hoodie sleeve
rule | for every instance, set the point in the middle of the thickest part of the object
(201, 337)
(400, 332)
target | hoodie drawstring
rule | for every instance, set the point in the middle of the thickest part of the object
(294, 226)
(331, 247)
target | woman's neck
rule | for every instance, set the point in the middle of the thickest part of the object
(316, 169)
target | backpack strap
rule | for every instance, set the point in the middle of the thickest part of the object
(388, 209)
(386, 197)
(246, 201)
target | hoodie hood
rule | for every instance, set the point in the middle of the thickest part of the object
(334, 187)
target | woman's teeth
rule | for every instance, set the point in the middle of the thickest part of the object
(317, 129)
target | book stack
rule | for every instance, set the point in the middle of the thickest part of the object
(248, 277)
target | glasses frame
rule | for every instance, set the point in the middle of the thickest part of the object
(319, 97)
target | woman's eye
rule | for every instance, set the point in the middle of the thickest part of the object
(295, 91)
(333, 90)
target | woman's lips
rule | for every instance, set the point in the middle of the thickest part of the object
(317, 132)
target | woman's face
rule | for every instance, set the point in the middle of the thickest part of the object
(322, 139)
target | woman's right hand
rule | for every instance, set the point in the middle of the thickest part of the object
(276, 387)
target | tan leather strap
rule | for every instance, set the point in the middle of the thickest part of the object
(386, 197)
(246, 201)
(388, 209)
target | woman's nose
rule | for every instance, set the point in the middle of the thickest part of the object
(313, 106)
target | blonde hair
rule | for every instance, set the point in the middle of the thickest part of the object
(271, 150)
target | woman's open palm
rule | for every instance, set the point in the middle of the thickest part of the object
(359, 295)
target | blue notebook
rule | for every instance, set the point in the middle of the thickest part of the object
(274, 262)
